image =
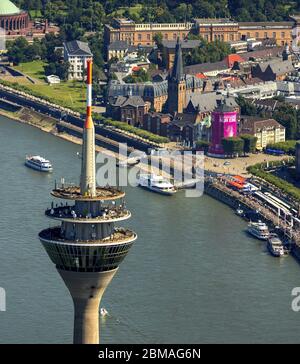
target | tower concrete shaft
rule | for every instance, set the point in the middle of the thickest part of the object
(86, 290)
(88, 178)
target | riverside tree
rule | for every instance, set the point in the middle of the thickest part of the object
(249, 143)
(233, 146)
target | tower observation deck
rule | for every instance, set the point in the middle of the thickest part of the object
(86, 246)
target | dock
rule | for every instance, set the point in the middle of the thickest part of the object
(219, 191)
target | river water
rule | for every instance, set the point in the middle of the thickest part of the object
(193, 275)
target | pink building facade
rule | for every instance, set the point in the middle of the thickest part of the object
(224, 125)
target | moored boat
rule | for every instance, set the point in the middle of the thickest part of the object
(157, 184)
(259, 230)
(38, 163)
(275, 246)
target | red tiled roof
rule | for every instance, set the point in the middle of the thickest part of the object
(200, 75)
(231, 58)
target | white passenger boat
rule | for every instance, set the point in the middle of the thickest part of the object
(38, 163)
(275, 245)
(258, 229)
(157, 184)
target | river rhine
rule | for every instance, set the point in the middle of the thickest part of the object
(193, 275)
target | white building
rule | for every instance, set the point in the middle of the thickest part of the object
(77, 53)
(53, 79)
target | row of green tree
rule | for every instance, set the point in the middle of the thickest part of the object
(207, 52)
(233, 146)
(132, 129)
(241, 145)
(91, 14)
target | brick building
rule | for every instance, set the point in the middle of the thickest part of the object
(157, 123)
(143, 33)
(17, 23)
(281, 31)
(226, 30)
(129, 109)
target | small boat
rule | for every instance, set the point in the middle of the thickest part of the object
(157, 184)
(188, 183)
(258, 229)
(239, 212)
(129, 162)
(275, 245)
(103, 312)
(38, 163)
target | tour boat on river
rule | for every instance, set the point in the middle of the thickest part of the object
(38, 163)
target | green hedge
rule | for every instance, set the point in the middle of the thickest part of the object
(258, 170)
(131, 129)
(23, 88)
(288, 146)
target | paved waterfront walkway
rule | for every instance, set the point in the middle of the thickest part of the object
(238, 165)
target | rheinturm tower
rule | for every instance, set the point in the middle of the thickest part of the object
(85, 245)
(177, 83)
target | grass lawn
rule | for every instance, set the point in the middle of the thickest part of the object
(69, 94)
(133, 10)
(34, 69)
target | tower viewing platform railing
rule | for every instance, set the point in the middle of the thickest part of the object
(119, 236)
(107, 214)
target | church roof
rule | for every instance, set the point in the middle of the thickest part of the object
(177, 70)
(208, 102)
(8, 8)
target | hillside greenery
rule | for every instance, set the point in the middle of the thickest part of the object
(91, 14)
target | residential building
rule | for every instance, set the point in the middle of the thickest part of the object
(267, 130)
(117, 49)
(77, 53)
(274, 70)
(213, 69)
